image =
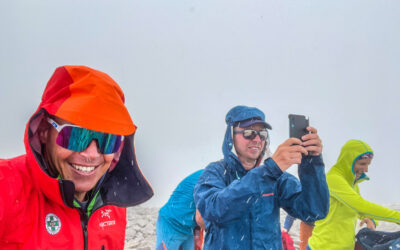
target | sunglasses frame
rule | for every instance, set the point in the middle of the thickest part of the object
(59, 127)
(253, 133)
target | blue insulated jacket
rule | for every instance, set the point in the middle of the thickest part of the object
(180, 209)
(241, 208)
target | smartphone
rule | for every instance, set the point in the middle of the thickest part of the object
(298, 125)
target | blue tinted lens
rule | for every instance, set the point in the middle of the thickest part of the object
(78, 139)
(108, 143)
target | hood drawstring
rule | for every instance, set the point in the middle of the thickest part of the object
(237, 176)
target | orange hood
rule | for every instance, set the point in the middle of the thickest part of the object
(87, 98)
(93, 100)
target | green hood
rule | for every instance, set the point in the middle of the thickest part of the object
(349, 154)
(337, 230)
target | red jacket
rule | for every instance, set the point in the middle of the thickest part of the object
(37, 209)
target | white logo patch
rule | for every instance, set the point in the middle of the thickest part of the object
(53, 223)
(106, 213)
(107, 223)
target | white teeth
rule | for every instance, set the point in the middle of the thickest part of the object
(83, 168)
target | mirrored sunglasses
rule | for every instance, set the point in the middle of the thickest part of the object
(77, 139)
(250, 134)
(367, 156)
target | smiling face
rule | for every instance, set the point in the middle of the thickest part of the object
(84, 168)
(361, 166)
(247, 150)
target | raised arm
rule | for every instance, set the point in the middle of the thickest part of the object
(221, 203)
(310, 201)
(341, 191)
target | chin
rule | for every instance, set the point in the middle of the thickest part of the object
(255, 157)
(246, 168)
(84, 188)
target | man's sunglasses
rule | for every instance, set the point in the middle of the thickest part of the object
(250, 134)
(77, 139)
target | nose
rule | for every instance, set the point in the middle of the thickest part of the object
(92, 151)
(257, 138)
(366, 169)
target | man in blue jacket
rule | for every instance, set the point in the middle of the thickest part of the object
(239, 199)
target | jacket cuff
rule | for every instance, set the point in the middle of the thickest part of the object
(271, 169)
(375, 222)
(312, 160)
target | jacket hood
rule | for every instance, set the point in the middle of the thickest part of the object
(237, 114)
(349, 154)
(91, 99)
(87, 98)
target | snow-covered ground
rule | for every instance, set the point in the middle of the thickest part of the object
(141, 228)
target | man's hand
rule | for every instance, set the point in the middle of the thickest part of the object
(311, 142)
(369, 222)
(289, 153)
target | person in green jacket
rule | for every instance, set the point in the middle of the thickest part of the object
(337, 230)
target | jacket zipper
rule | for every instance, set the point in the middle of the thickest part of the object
(84, 224)
(85, 218)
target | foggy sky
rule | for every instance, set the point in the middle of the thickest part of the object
(184, 64)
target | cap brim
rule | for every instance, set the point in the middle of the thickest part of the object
(246, 124)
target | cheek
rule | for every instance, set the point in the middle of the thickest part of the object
(108, 158)
(360, 168)
(53, 149)
(61, 154)
(234, 139)
(241, 144)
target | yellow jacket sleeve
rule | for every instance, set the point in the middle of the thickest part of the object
(349, 197)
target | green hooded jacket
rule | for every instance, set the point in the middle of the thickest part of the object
(337, 230)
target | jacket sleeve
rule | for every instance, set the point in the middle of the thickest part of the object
(222, 203)
(346, 195)
(1, 218)
(3, 209)
(309, 199)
